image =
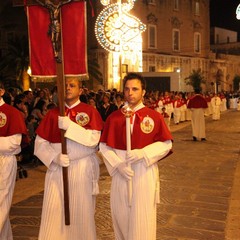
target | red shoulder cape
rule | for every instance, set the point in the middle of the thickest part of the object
(48, 128)
(11, 121)
(197, 101)
(114, 131)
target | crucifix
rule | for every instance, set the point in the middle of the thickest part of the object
(54, 30)
(54, 33)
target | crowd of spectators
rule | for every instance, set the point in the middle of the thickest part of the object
(172, 105)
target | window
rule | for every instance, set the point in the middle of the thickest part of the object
(176, 4)
(152, 36)
(176, 40)
(197, 42)
(197, 8)
(152, 68)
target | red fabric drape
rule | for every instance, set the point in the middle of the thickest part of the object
(74, 38)
(42, 61)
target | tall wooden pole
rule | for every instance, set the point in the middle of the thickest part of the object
(61, 94)
(61, 105)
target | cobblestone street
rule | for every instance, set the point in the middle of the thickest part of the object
(200, 189)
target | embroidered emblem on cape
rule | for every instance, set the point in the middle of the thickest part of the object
(82, 118)
(147, 125)
(3, 119)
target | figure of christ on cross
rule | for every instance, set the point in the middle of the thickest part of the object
(54, 30)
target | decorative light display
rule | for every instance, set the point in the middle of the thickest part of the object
(238, 12)
(117, 31)
(115, 28)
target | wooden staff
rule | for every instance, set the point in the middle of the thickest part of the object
(61, 105)
(61, 94)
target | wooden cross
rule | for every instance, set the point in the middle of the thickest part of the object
(54, 32)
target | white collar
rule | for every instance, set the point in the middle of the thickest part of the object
(139, 106)
(74, 105)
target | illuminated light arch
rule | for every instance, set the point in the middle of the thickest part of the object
(119, 32)
(115, 28)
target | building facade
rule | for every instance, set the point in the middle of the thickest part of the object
(176, 41)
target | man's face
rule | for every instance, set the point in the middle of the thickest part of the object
(133, 92)
(73, 91)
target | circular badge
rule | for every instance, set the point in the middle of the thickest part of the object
(147, 125)
(3, 119)
(82, 118)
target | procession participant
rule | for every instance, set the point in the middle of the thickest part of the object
(83, 125)
(198, 104)
(188, 111)
(216, 103)
(12, 126)
(159, 104)
(177, 104)
(151, 141)
(208, 110)
(168, 103)
(183, 107)
(223, 106)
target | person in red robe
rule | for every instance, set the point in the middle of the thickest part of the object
(198, 104)
(12, 128)
(151, 141)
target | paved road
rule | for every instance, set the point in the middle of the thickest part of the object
(200, 189)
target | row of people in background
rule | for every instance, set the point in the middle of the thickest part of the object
(176, 105)
(37, 103)
(34, 105)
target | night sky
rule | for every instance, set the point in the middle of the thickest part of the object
(223, 14)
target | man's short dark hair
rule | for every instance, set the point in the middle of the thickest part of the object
(131, 76)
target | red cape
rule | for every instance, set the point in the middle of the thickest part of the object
(48, 128)
(114, 132)
(197, 101)
(13, 123)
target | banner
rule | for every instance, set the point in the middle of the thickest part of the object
(42, 60)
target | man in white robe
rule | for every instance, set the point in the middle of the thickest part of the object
(135, 218)
(83, 126)
(198, 104)
(216, 104)
(12, 127)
